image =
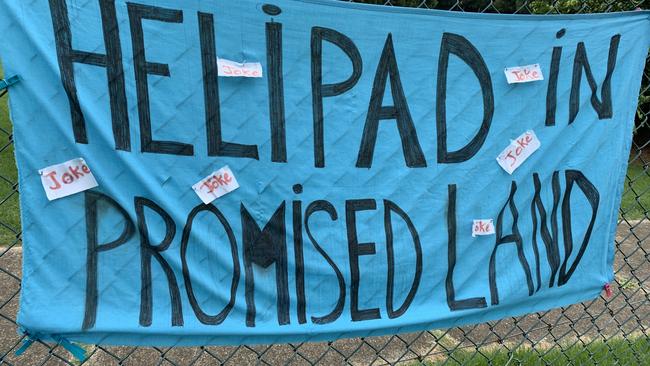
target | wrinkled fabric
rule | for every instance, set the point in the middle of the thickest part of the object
(360, 225)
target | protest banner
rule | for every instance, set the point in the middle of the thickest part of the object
(364, 141)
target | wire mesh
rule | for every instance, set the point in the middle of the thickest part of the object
(606, 331)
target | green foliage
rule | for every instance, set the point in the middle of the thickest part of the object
(518, 6)
(580, 6)
(636, 194)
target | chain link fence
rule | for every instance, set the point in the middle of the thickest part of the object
(614, 330)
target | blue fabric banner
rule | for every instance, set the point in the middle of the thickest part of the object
(376, 169)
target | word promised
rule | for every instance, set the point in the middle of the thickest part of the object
(267, 242)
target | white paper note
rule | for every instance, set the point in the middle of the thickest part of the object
(482, 227)
(523, 74)
(216, 185)
(236, 69)
(67, 178)
(518, 151)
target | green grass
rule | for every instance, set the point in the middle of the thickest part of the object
(636, 194)
(9, 209)
(615, 351)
